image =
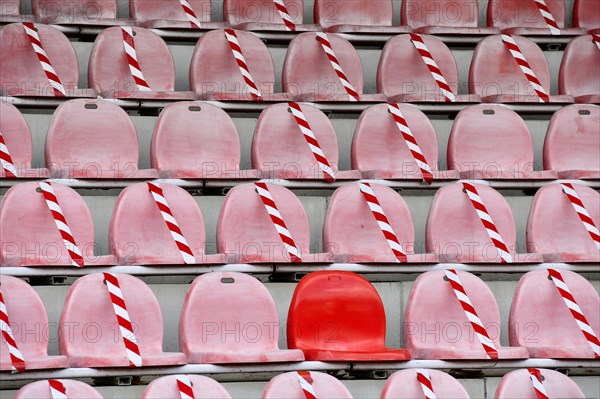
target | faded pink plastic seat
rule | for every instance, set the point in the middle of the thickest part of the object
(537, 302)
(27, 317)
(81, 12)
(586, 14)
(138, 234)
(280, 150)
(403, 384)
(554, 229)
(286, 386)
(492, 142)
(231, 318)
(29, 234)
(88, 303)
(497, 78)
(342, 16)
(572, 141)
(203, 388)
(168, 14)
(93, 139)
(255, 15)
(436, 326)
(352, 235)
(109, 73)
(403, 76)
(578, 75)
(197, 140)
(41, 390)
(21, 73)
(308, 74)
(517, 384)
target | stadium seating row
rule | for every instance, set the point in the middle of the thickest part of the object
(135, 63)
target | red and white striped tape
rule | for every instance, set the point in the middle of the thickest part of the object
(520, 59)
(61, 223)
(132, 60)
(190, 14)
(382, 221)
(125, 327)
(488, 222)
(167, 215)
(185, 387)
(583, 214)
(312, 141)
(411, 142)
(326, 45)
(426, 385)
(536, 381)
(548, 17)
(435, 71)
(305, 381)
(236, 49)
(36, 43)
(596, 40)
(17, 360)
(576, 311)
(57, 389)
(286, 237)
(6, 160)
(285, 15)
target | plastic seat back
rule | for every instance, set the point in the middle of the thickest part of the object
(586, 14)
(17, 137)
(420, 13)
(251, 11)
(517, 384)
(203, 388)
(287, 386)
(578, 71)
(171, 10)
(505, 14)
(80, 12)
(10, 8)
(404, 384)
(342, 12)
(41, 390)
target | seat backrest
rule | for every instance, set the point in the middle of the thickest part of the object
(307, 69)
(578, 71)
(245, 228)
(459, 13)
(586, 14)
(572, 139)
(203, 387)
(343, 306)
(138, 230)
(22, 71)
(10, 7)
(342, 12)
(92, 139)
(351, 228)
(41, 390)
(170, 10)
(402, 70)
(90, 11)
(404, 384)
(245, 11)
(108, 68)
(222, 74)
(28, 232)
(454, 228)
(490, 138)
(279, 144)
(16, 135)
(517, 384)
(505, 14)
(554, 226)
(378, 144)
(286, 385)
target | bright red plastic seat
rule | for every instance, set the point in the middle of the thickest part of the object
(203, 387)
(348, 314)
(231, 318)
(29, 324)
(517, 384)
(341, 16)
(29, 234)
(167, 14)
(255, 15)
(41, 390)
(492, 142)
(286, 386)
(586, 14)
(436, 326)
(81, 12)
(572, 140)
(88, 303)
(403, 384)
(578, 75)
(454, 17)
(555, 230)
(93, 139)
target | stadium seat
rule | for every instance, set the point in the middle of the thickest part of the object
(517, 384)
(286, 386)
(492, 142)
(138, 234)
(436, 326)
(538, 303)
(347, 312)
(403, 76)
(10, 11)
(203, 387)
(252, 15)
(169, 14)
(27, 318)
(21, 74)
(109, 72)
(578, 75)
(341, 16)
(88, 303)
(443, 17)
(308, 74)
(280, 150)
(380, 152)
(404, 384)
(555, 230)
(93, 139)
(29, 234)
(497, 78)
(586, 14)
(80, 12)
(352, 234)
(231, 318)
(41, 390)
(571, 143)
(17, 139)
